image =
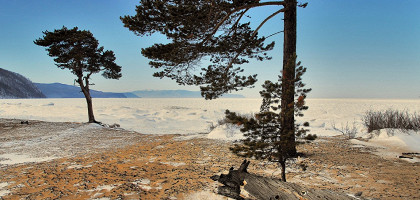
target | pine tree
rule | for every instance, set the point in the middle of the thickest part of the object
(78, 51)
(263, 133)
(218, 31)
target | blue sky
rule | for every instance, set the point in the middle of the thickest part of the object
(352, 48)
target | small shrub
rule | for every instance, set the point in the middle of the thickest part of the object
(212, 126)
(311, 137)
(348, 130)
(375, 120)
(303, 166)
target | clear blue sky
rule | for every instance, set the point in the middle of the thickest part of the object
(352, 48)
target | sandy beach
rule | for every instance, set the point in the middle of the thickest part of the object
(55, 160)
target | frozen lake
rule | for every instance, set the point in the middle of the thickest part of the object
(187, 116)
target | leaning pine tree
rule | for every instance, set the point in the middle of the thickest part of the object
(78, 51)
(263, 133)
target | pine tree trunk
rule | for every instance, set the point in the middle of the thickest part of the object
(90, 108)
(283, 170)
(288, 87)
(86, 92)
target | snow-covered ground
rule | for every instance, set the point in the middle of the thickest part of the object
(327, 117)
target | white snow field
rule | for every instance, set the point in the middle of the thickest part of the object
(327, 117)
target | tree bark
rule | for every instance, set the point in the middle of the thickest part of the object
(90, 108)
(260, 187)
(288, 87)
(86, 92)
(283, 170)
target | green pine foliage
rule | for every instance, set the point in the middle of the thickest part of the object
(218, 31)
(263, 132)
(78, 51)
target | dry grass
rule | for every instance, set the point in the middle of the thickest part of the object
(376, 120)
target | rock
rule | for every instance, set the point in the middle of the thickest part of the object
(115, 125)
(358, 194)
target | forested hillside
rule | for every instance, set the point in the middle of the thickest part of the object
(16, 86)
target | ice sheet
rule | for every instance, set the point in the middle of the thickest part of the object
(327, 117)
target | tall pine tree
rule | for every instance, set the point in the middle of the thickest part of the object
(218, 31)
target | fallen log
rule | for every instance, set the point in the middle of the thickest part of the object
(264, 188)
(405, 157)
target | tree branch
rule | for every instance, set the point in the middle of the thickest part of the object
(88, 76)
(235, 26)
(253, 35)
(265, 20)
(278, 3)
(274, 34)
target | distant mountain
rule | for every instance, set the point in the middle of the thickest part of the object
(16, 86)
(176, 94)
(59, 90)
(130, 95)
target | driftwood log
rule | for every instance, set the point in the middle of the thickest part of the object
(260, 187)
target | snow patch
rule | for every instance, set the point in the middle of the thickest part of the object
(205, 195)
(11, 159)
(142, 182)
(105, 187)
(229, 132)
(175, 164)
(391, 143)
(100, 188)
(145, 184)
(3, 191)
(404, 140)
(78, 166)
